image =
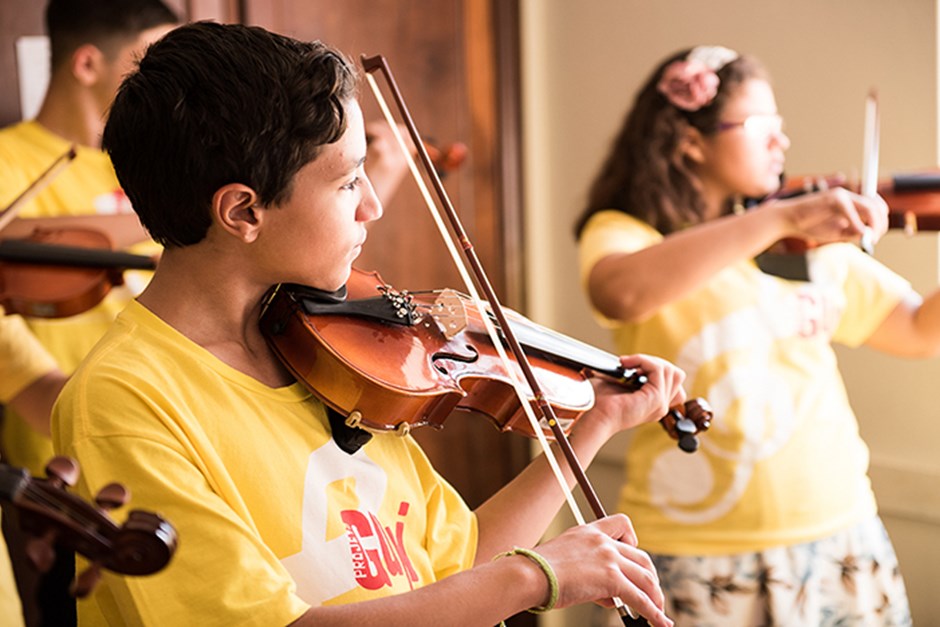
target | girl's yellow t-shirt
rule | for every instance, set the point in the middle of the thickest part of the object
(783, 461)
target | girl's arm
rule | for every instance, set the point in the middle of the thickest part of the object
(631, 286)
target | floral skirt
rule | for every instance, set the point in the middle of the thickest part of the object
(849, 579)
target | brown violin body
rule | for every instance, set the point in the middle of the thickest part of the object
(435, 357)
(423, 375)
(913, 201)
(60, 273)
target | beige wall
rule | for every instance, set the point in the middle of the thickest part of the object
(582, 62)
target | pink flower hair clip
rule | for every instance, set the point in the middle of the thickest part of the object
(692, 83)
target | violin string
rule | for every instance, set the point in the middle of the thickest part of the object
(478, 301)
(57, 504)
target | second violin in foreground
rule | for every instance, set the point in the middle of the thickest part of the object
(61, 273)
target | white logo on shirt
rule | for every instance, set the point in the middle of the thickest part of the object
(762, 401)
(369, 554)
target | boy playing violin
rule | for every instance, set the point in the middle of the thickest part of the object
(242, 152)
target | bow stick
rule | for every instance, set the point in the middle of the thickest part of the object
(378, 63)
(869, 183)
(61, 162)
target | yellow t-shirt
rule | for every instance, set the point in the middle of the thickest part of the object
(87, 186)
(272, 516)
(22, 359)
(783, 461)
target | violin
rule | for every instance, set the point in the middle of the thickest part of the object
(57, 273)
(436, 358)
(913, 198)
(60, 273)
(51, 515)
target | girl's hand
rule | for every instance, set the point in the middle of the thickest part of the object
(836, 215)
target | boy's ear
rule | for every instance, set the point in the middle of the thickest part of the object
(234, 207)
(691, 146)
(87, 63)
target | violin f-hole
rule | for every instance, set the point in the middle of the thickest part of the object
(472, 355)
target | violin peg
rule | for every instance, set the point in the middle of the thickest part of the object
(39, 550)
(85, 582)
(62, 469)
(684, 426)
(454, 155)
(112, 496)
(700, 412)
(686, 431)
(688, 443)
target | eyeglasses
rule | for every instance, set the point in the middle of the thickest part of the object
(757, 125)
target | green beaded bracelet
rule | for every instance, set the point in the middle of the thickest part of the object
(549, 574)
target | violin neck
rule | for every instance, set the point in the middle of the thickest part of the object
(565, 350)
(24, 251)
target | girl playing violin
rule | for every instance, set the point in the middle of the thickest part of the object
(773, 522)
(185, 401)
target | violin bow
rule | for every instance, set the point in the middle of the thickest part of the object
(61, 162)
(378, 63)
(870, 156)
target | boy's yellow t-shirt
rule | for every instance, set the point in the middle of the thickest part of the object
(272, 515)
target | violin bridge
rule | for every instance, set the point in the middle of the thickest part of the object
(449, 312)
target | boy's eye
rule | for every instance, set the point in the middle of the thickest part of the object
(353, 184)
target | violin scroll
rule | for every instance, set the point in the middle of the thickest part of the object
(50, 514)
(685, 426)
